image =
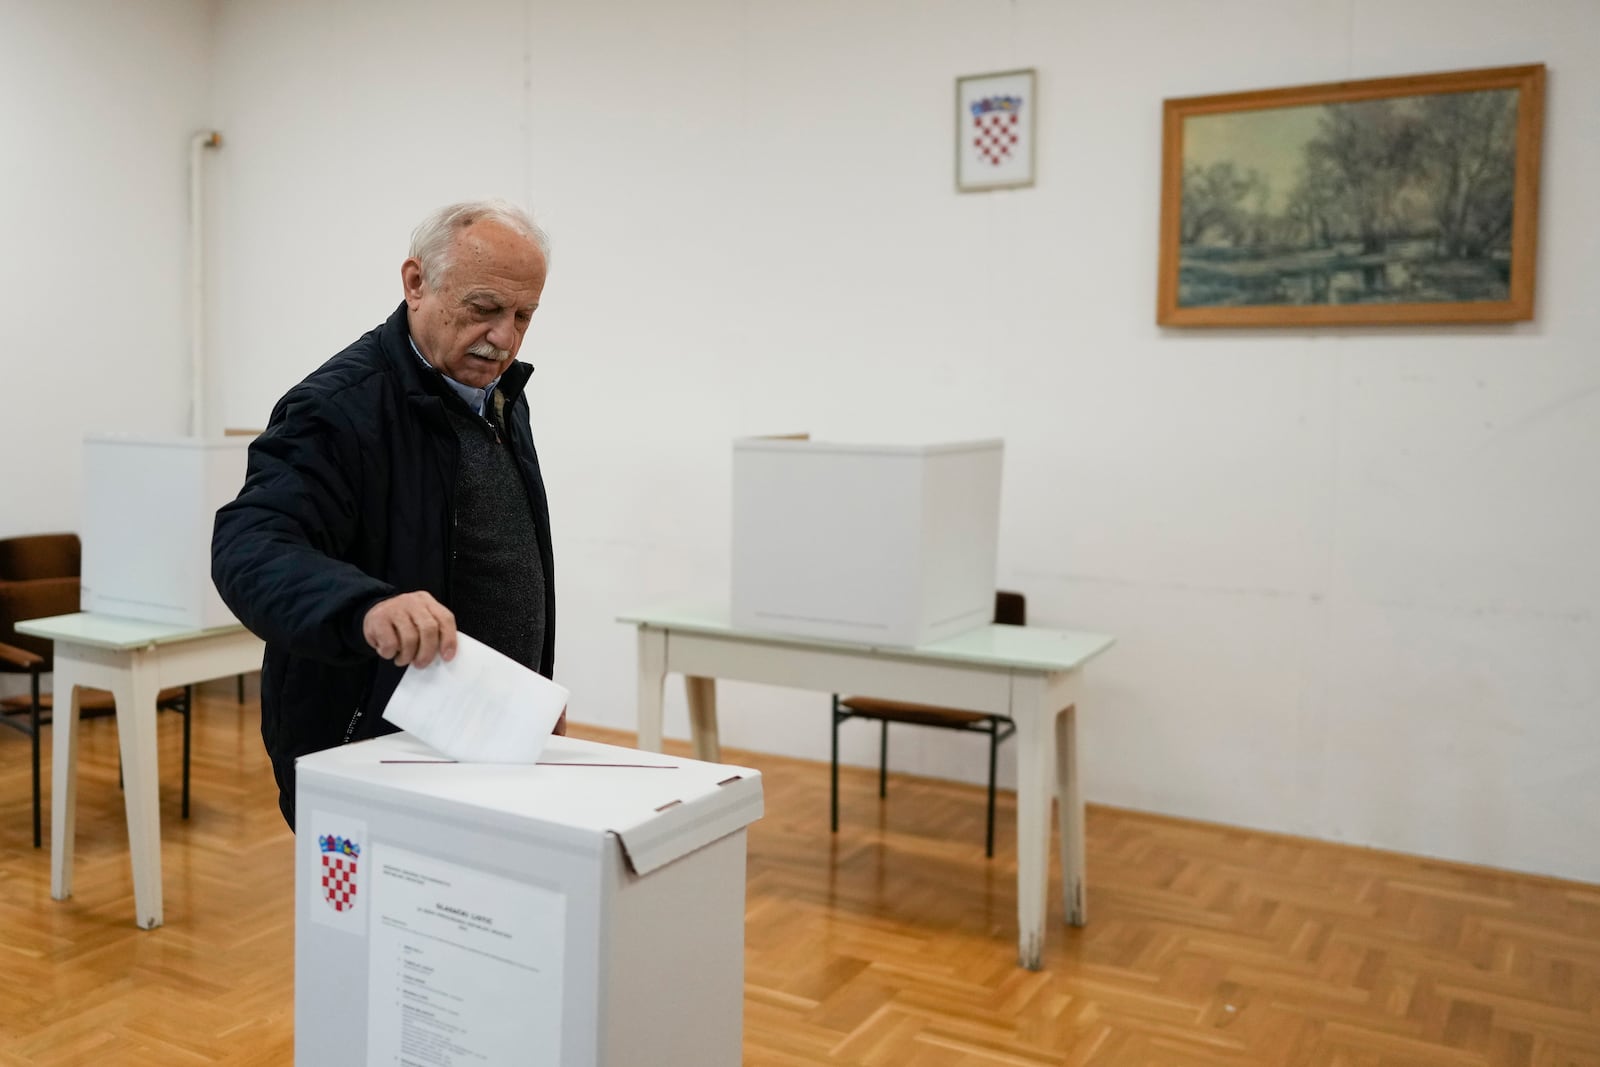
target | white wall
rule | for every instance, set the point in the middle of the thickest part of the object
(345, 124)
(1352, 571)
(101, 98)
(1349, 569)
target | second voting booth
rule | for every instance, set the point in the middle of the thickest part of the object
(586, 911)
(879, 544)
(148, 508)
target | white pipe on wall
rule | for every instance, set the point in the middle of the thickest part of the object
(197, 241)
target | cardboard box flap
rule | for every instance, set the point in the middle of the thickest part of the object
(680, 826)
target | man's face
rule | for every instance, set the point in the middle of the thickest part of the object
(471, 324)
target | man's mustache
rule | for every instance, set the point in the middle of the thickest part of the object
(489, 351)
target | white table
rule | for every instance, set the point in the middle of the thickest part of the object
(135, 660)
(1028, 674)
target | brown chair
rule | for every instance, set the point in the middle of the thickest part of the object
(1010, 609)
(38, 579)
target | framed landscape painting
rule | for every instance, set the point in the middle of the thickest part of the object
(1395, 200)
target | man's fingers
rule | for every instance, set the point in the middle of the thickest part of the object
(410, 628)
(406, 631)
(427, 627)
(380, 634)
(447, 636)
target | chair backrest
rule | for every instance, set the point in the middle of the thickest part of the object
(36, 599)
(1011, 609)
(55, 555)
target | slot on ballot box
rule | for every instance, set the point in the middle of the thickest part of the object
(586, 911)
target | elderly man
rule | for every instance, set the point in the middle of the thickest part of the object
(395, 496)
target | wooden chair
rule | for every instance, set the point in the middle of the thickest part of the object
(39, 578)
(1010, 609)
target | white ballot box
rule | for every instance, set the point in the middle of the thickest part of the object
(149, 504)
(879, 544)
(586, 911)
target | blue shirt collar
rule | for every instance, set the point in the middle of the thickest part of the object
(475, 398)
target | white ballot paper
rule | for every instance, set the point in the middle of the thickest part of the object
(480, 707)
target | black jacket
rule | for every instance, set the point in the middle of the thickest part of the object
(350, 499)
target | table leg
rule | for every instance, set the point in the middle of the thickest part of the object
(136, 733)
(652, 676)
(63, 777)
(702, 694)
(1036, 773)
(1070, 811)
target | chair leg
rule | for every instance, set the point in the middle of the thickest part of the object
(33, 720)
(188, 713)
(994, 748)
(239, 679)
(883, 759)
(833, 793)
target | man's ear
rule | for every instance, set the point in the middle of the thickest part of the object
(411, 281)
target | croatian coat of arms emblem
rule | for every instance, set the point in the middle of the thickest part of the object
(996, 127)
(339, 870)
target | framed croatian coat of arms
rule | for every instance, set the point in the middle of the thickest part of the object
(995, 130)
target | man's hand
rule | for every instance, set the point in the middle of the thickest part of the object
(410, 628)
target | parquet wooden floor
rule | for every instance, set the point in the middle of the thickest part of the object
(890, 943)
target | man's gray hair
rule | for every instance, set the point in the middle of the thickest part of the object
(432, 241)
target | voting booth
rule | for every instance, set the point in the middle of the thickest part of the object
(586, 911)
(879, 544)
(149, 504)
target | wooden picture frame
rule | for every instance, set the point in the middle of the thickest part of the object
(1393, 200)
